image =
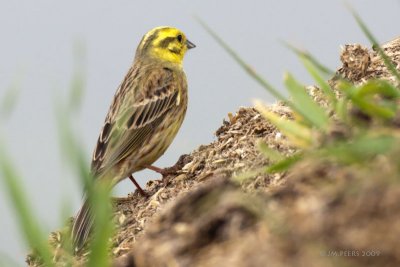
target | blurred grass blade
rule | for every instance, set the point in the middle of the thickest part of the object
(65, 216)
(360, 149)
(78, 79)
(304, 54)
(372, 109)
(388, 63)
(248, 175)
(76, 94)
(298, 134)
(381, 87)
(342, 109)
(99, 198)
(314, 68)
(283, 165)
(310, 110)
(26, 218)
(269, 153)
(257, 77)
(242, 63)
(323, 85)
(70, 145)
(97, 192)
(366, 105)
(9, 100)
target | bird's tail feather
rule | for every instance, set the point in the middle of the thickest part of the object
(82, 225)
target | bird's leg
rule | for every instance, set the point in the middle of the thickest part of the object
(156, 169)
(164, 172)
(141, 191)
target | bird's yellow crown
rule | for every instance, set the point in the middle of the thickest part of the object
(165, 43)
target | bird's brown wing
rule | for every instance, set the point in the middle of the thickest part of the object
(142, 109)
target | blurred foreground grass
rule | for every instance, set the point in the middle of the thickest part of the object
(66, 109)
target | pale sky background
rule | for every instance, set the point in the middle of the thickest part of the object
(37, 49)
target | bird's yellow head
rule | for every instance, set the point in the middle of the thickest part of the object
(165, 43)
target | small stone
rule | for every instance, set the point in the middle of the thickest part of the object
(181, 177)
(188, 166)
(181, 228)
(122, 219)
(204, 176)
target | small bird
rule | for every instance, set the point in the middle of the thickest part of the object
(145, 115)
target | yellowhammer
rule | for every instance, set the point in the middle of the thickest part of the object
(144, 117)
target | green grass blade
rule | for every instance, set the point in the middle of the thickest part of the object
(341, 109)
(306, 55)
(325, 87)
(381, 87)
(281, 163)
(252, 72)
(78, 80)
(70, 145)
(298, 134)
(9, 100)
(388, 63)
(281, 166)
(242, 63)
(97, 192)
(310, 110)
(366, 105)
(284, 165)
(373, 110)
(248, 175)
(99, 198)
(362, 148)
(271, 154)
(27, 221)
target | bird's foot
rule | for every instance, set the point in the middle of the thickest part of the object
(164, 171)
(173, 170)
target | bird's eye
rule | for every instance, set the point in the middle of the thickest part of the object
(179, 37)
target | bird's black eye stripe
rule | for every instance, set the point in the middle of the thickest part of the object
(179, 37)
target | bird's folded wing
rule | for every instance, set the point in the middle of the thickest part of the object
(132, 126)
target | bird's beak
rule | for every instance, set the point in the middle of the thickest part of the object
(190, 45)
